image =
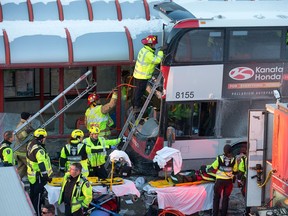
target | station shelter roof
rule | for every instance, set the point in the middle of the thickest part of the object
(74, 32)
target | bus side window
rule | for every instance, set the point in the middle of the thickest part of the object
(286, 41)
(207, 119)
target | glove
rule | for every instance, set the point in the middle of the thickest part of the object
(115, 95)
(47, 178)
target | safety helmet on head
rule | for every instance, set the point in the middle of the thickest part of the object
(77, 133)
(40, 133)
(150, 39)
(92, 98)
(94, 130)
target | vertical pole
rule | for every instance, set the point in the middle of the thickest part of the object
(1, 91)
(61, 100)
(41, 86)
(118, 106)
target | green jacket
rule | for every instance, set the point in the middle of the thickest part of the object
(146, 62)
(97, 150)
(38, 161)
(6, 154)
(81, 195)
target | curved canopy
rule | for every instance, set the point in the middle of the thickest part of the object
(74, 32)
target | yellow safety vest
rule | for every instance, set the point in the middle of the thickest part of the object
(95, 117)
(38, 162)
(97, 153)
(225, 167)
(146, 62)
(81, 194)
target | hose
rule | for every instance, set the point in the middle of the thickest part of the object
(170, 211)
(118, 86)
(267, 178)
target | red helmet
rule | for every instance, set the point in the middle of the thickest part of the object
(92, 98)
(150, 39)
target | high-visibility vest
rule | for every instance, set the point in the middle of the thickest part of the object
(242, 165)
(97, 153)
(225, 167)
(95, 117)
(67, 157)
(6, 154)
(38, 161)
(81, 193)
(146, 62)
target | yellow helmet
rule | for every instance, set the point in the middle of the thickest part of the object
(77, 133)
(40, 132)
(94, 130)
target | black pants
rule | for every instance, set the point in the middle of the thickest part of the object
(36, 194)
(225, 186)
(139, 92)
(99, 172)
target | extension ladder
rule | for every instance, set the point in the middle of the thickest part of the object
(51, 104)
(131, 116)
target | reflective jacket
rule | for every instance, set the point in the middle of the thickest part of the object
(97, 149)
(242, 166)
(94, 116)
(146, 62)
(81, 194)
(6, 154)
(38, 161)
(72, 153)
(225, 167)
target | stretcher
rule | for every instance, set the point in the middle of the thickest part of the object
(169, 183)
(95, 181)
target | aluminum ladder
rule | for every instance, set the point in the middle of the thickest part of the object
(89, 87)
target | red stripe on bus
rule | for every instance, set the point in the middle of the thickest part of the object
(187, 24)
(60, 10)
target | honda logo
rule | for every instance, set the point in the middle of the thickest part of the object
(241, 73)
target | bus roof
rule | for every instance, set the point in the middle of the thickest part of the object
(233, 13)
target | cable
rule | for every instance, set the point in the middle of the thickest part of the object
(170, 211)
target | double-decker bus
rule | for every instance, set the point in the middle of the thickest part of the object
(222, 59)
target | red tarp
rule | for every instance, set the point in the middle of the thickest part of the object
(280, 144)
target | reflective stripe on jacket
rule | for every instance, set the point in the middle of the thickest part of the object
(94, 116)
(6, 154)
(81, 195)
(38, 161)
(225, 167)
(97, 153)
(146, 62)
(67, 157)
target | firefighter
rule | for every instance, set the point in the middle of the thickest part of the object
(225, 166)
(6, 152)
(20, 154)
(97, 152)
(39, 169)
(147, 59)
(74, 151)
(76, 192)
(98, 115)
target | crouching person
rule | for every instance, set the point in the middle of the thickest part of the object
(76, 192)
